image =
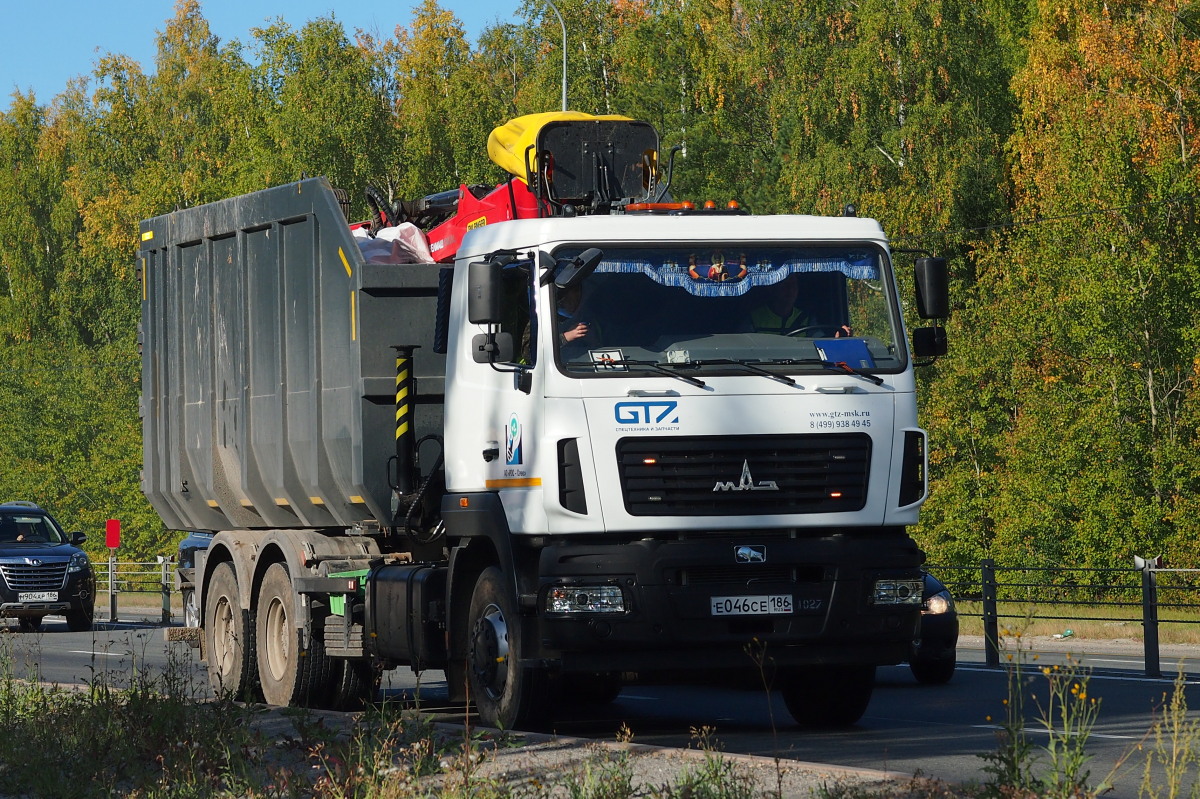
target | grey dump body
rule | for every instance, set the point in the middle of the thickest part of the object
(269, 374)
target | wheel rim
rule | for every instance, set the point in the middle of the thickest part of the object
(489, 651)
(191, 612)
(223, 632)
(278, 643)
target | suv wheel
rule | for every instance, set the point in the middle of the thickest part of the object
(79, 620)
(29, 624)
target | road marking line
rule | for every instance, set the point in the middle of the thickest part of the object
(1059, 732)
(104, 654)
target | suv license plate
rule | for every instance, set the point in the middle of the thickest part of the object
(751, 605)
(38, 596)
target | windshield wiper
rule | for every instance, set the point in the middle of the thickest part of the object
(833, 366)
(654, 366)
(749, 365)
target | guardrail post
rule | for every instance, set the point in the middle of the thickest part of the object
(165, 587)
(112, 584)
(1150, 613)
(991, 618)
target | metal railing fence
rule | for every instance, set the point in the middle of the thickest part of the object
(147, 577)
(1016, 592)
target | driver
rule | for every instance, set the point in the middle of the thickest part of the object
(779, 313)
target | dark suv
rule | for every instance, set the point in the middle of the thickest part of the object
(43, 570)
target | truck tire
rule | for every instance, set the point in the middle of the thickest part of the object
(228, 638)
(289, 674)
(355, 685)
(828, 696)
(507, 694)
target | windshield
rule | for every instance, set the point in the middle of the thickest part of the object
(720, 307)
(29, 529)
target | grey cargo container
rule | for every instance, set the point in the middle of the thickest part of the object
(268, 364)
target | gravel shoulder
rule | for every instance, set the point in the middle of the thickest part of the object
(547, 765)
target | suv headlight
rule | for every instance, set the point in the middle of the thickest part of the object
(79, 562)
(939, 603)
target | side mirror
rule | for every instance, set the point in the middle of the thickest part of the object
(929, 342)
(78, 538)
(483, 298)
(933, 292)
(492, 347)
(578, 268)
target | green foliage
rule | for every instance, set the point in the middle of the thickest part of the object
(1048, 148)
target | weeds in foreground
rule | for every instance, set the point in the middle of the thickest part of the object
(1066, 716)
(1173, 750)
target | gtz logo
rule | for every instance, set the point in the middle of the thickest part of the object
(658, 412)
(746, 483)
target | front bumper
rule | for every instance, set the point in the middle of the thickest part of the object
(668, 622)
(77, 593)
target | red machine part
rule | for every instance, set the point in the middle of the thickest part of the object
(511, 200)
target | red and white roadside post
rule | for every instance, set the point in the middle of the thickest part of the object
(112, 539)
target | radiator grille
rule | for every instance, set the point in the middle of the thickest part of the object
(707, 575)
(25, 577)
(753, 475)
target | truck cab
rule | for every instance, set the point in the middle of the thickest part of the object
(695, 431)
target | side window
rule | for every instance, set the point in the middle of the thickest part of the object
(519, 319)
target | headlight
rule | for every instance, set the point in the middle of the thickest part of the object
(79, 562)
(585, 599)
(898, 592)
(941, 602)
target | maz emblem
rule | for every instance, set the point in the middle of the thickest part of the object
(750, 554)
(746, 483)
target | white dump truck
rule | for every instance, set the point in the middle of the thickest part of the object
(599, 436)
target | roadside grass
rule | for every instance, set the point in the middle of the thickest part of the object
(155, 737)
(1097, 622)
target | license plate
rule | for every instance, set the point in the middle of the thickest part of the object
(37, 596)
(751, 605)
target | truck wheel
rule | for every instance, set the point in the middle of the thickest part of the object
(828, 696)
(80, 621)
(355, 685)
(505, 693)
(228, 638)
(289, 675)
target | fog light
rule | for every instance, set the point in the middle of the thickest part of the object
(585, 599)
(897, 592)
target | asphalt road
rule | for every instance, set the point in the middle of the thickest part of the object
(938, 731)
